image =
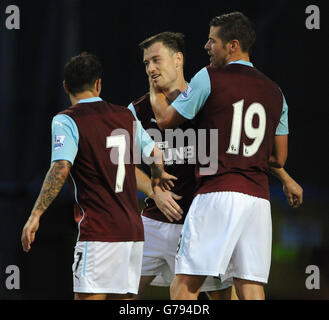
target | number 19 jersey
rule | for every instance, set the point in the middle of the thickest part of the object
(245, 107)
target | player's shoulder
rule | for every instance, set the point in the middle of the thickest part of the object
(66, 111)
(95, 108)
(268, 85)
(108, 107)
(211, 69)
(263, 75)
(119, 112)
(142, 102)
(270, 82)
(233, 69)
(69, 114)
(215, 73)
(115, 107)
(143, 107)
(250, 71)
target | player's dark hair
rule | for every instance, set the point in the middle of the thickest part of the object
(171, 40)
(81, 72)
(235, 26)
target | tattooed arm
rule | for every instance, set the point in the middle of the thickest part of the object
(51, 187)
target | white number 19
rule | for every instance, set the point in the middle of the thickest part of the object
(253, 133)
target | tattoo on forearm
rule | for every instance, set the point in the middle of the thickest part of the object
(52, 184)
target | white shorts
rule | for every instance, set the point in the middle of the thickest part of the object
(227, 234)
(107, 267)
(160, 248)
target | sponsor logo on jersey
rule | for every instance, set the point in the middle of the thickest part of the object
(185, 94)
(179, 155)
(58, 123)
(59, 142)
(162, 145)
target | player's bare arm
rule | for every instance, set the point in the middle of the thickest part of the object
(280, 151)
(292, 190)
(166, 115)
(51, 187)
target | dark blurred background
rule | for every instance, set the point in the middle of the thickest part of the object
(31, 93)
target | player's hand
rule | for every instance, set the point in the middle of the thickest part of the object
(165, 181)
(156, 95)
(154, 89)
(293, 192)
(29, 230)
(165, 201)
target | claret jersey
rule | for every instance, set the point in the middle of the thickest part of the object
(98, 138)
(247, 110)
(179, 153)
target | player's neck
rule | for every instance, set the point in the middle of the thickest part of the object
(241, 56)
(83, 95)
(173, 92)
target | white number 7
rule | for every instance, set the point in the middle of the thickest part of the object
(119, 142)
(253, 133)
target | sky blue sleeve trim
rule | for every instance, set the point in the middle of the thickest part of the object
(189, 102)
(65, 138)
(282, 128)
(132, 109)
(143, 142)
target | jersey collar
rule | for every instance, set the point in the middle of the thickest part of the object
(246, 63)
(89, 100)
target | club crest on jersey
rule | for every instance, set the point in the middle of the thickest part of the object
(59, 142)
(185, 94)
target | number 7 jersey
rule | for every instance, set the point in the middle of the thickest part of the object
(98, 138)
(240, 115)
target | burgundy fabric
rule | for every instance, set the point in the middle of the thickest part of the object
(109, 216)
(185, 185)
(235, 171)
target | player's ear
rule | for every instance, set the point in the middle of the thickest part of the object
(234, 45)
(98, 85)
(179, 59)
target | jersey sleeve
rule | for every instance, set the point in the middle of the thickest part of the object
(65, 138)
(282, 128)
(189, 102)
(143, 142)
